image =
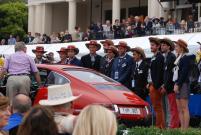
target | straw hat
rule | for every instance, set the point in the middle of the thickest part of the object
(123, 44)
(168, 42)
(182, 44)
(113, 49)
(58, 95)
(39, 49)
(93, 42)
(72, 47)
(139, 50)
(107, 41)
(62, 49)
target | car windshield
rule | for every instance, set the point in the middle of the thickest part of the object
(89, 76)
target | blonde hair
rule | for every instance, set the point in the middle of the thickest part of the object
(96, 120)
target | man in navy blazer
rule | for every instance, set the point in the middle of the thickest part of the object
(92, 60)
(72, 59)
(121, 68)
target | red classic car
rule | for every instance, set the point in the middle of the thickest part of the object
(95, 88)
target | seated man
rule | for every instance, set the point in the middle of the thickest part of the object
(21, 104)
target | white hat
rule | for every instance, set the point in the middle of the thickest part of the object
(58, 94)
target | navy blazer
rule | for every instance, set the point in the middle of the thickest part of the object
(168, 72)
(157, 70)
(106, 66)
(140, 76)
(86, 62)
(75, 61)
(184, 67)
(123, 69)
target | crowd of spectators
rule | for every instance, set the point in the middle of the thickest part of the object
(126, 28)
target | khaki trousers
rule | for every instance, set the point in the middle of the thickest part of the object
(18, 85)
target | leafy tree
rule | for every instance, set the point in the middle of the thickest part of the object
(13, 18)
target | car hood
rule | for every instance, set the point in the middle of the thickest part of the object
(123, 97)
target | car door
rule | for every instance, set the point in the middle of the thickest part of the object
(48, 78)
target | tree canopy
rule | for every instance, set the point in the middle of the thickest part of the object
(13, 18)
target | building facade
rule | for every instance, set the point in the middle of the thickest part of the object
(47, 16)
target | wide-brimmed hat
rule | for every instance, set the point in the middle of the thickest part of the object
(139, 50)
(72, 47)
(108, 41)
(182, 44)
(168, 42)
(123, 44)
(93, 42)
(58, 95)
(154, 40)
(62, 49)
(113, 49)
(199, 43)
(39, 49)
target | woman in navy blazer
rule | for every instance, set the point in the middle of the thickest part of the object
(181, 87)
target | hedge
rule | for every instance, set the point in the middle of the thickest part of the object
(157, 131)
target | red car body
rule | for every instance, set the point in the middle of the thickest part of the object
(94, 88)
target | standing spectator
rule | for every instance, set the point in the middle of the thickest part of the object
(183, 26)
(11, 40)
(167, 46)
(121, 68)
(3, 42)
(107, 30)
(67, 37)
(89, 124)
(46, 39)
(21, 104)
(37, 39)
(92, 60)
(28, 39)
(19, 67)
(63, 56)
(182, 86)
(39, 52)
(77, 34)
(148, 25)
(107, 61)
(139, 73)
(98, 29)
(72, 59)
(156, 81)
(117, 29)
(61, 103)
(190, 24)
(39, 121)
(4, 113)
(54, 38)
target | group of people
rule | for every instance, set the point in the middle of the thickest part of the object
(53, 116)
(166, 75)
(126, 28)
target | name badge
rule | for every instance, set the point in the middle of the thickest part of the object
(123, 65)
(153, 59)
(133, 83)
(116, 75)
(140, 72)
